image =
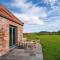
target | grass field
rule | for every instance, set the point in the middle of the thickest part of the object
(50, 45)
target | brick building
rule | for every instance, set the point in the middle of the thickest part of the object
(10, 30)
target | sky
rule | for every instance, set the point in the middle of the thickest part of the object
(37, 15)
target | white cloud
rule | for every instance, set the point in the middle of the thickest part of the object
(30, 19)
(32, 16)
(22, 4)
(51, 2)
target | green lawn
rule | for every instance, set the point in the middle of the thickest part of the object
(50, 45)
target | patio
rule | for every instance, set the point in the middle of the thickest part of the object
(24, 54)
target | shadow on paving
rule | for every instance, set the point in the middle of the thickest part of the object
(24, 54)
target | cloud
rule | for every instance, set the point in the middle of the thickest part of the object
(51, 2)
(22, 4)
(30, 19)
(38, 18)
(31, 14)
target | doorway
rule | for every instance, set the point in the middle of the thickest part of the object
(12, 35)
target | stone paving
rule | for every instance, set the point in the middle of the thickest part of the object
(24, 54)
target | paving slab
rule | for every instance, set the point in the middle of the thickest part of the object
(25, 54)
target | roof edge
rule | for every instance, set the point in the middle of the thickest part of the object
(11, 20)
(12, 15)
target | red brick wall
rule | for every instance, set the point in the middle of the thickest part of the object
(4, 39)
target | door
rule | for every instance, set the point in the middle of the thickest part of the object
(12, 35)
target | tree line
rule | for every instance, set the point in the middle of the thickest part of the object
(49, 33)
(44, 33)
